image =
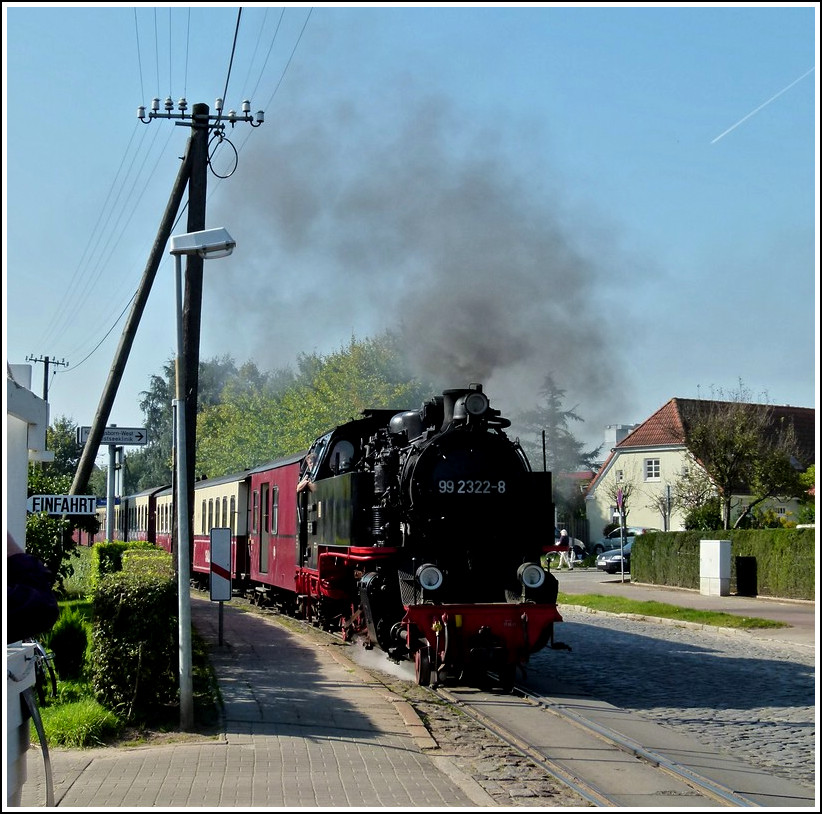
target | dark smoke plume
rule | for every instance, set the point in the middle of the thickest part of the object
(422, 224)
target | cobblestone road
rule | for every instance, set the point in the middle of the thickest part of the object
(749, 697)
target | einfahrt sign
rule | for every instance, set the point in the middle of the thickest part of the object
(62, 504)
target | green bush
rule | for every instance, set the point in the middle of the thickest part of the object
(107, 558)
(68, 640)
(156, 562)
(134, 644)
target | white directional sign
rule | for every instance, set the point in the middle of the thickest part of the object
(63, 504)
(116, 436)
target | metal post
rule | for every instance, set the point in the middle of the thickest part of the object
(112, 454)
(622, 545)
(183, 531)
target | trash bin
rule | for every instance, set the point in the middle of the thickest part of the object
(746, 576)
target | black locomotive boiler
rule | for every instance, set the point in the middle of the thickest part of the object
(427, 534)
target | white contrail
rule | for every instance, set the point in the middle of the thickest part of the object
(775, 96)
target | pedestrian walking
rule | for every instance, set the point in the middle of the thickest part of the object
(566, 550)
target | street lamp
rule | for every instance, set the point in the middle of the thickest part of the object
(209, 243)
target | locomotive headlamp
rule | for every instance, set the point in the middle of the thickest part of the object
(476, 403)
(429, 577)
(531, 575)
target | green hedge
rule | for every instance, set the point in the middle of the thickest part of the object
(134, 654)
(784, 559)
(107, 558)
(156, 562)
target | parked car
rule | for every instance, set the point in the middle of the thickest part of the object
(613, 539)
(611, 561)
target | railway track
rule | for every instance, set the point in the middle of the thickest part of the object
(601, 764)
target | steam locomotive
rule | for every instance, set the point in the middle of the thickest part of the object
(420, 532)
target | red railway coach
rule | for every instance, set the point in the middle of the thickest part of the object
(273, 530)
(220, 503)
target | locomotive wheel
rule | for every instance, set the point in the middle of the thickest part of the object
(422, 667)
(507, 677)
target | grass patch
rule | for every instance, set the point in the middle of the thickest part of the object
(77, 585)
(79, 724)
(618, 604)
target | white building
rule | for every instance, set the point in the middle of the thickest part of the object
(649, 461)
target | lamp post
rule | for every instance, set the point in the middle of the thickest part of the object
(209, 243)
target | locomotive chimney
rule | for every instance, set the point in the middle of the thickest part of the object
(449, 400)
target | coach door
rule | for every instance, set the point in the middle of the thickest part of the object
(265, 527)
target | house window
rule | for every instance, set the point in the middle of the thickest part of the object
(781, 511)
(620, 476)
(651, 469)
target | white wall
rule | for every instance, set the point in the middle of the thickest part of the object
(27, 418)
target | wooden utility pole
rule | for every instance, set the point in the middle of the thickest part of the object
(46, 360)
(98, 426)
(193, 298)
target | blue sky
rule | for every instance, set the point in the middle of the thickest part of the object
(624, 198)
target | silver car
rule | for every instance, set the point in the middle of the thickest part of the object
(613, 539)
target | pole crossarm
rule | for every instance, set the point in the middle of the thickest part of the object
(217, 120)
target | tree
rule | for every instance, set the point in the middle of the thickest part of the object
(563, 452)
(255, 425)
(61, 439)
(151, 465)
(549, 444)
(807, 508)
(218, 379)
(48, 537)
(743, 449)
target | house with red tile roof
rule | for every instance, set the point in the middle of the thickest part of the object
(650, 462)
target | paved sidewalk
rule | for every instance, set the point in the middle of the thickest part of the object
(303, 728)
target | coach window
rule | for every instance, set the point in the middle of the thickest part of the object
(232, 518)
(275, 510)
(203, 516)
(264, 527)
(219, 518)
(255, 510)
(210, 516)
(225, 513)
